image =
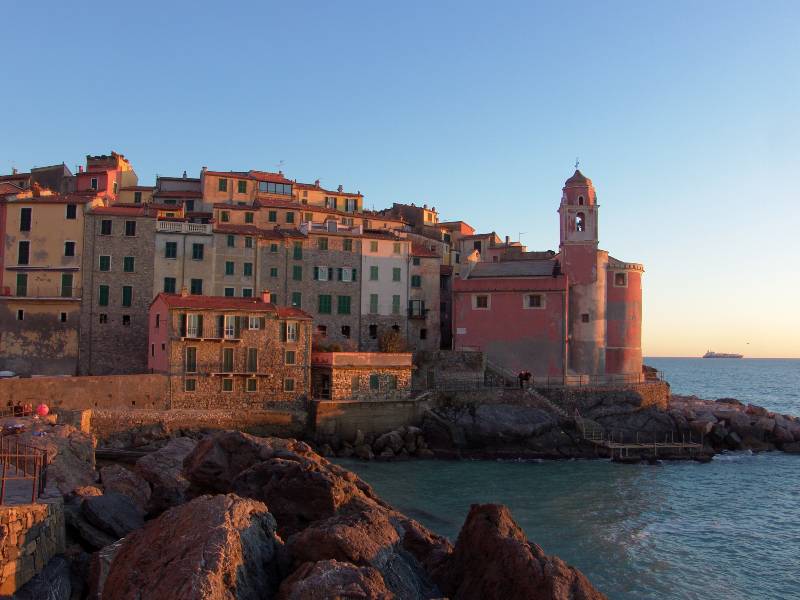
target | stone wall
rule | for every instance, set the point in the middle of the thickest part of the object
(112, 391)
(653, 394)
(331, 417)
(30, 535)
(282, 423)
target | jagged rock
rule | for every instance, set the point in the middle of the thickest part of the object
(492, 560)
(702, 427)
(793, 448)
(99, 568)
(386, 454)
(782, 435)
(51, 583)
(113, 513)
(733, 441)
(758, 411)
(364, 452)
(719, 433)
(326, 450)
(359, 439)
(116, 478)
(392, 440)
(89, 535)
(212, 547)
(333, 579)
(163, 470)
(345, 452)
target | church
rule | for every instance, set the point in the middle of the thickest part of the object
(577, 312)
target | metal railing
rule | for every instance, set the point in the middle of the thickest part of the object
(20, 463)
(183, 227)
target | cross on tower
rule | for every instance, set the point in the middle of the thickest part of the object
(577, 162)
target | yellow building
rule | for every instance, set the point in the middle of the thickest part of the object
(136, 194)
(40, 289)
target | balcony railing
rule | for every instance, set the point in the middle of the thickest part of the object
(183, 227)
(41, 292)
(23, 472)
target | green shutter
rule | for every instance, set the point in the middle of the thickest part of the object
(182, 324)
(102, 299)
(355, 274)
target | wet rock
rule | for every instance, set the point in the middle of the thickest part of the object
(212, 547)
(793, 448)
(113, 513)
(345, 452)
(492, 559)
(386, 454)
(392, 440)
(733, 441)
(334, 579)
(163, 470)
(116, 478)
(364, 452)
(326, 450)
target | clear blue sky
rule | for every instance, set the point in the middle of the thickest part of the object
(685, 115)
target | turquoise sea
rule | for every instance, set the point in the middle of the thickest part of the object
(728, 530)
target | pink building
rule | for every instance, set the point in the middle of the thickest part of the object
(577, 312)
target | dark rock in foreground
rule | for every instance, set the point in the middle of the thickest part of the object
(333, 579)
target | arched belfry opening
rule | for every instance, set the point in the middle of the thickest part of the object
(580, 222)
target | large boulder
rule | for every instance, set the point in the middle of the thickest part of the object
(212, 547)
(163, 470)
(99, 567)
(51, 583)
(493, 559)
(116, 478)
(112, 513)
(88, 535)
(333, 579)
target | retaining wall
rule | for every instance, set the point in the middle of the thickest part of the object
(370, 416)
(654, 394)
(30, 535)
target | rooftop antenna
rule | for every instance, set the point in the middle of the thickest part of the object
(519, 236)
(280, 165)
(577, 162)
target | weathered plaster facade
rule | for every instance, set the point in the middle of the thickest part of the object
(361, 375)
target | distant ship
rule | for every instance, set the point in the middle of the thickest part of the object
(711, 354)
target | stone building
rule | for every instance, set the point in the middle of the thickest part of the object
(235, 260)
(234, 353)
(183, 257)
(423, 299)
(118, 287)
(360, 375)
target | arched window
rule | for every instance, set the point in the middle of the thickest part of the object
(580, 222)
(580, 200)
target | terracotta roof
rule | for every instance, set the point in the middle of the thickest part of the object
(516, 268)
(247, 207)
(137, 188)
(14, 176)
(475, 236)
(179, 178)
(54, 199)
(578, 178)
(231, 228)
(230, 303)
(9, 188)
(271, 177)
(122, 210)
(422, 251)
(312, 186)
(295, 205)
(179, 194)
(239, 174)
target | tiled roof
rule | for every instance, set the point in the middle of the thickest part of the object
(240, 174)
(247, 207)
(229, 303)
(578, 178)
(179, 194)
(422, 251)
(9, 188)
(476, 236)
(245, 229)
(312, 186)
(271, 177)
(54, 199)
(516, 268)
(119, 210)
(137, 188)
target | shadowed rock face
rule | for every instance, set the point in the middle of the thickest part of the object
(212, 547)
(493, 559)
(331, 579)
(163, 470)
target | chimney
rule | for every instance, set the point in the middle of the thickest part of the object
(508, 239)
(316, 183)
(184, 174)
(13, 170)
(184, 292)
(203, 170)
(340, 188)
(80, 168)
(266, 297)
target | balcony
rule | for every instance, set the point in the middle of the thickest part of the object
(183, 227)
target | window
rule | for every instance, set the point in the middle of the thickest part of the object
(476, 246)
(128, 264)
(373, 273)
(158, 320)
(248, 242)
(533, 301)
(105, 262)
(373, 246)
(252, 384)
(584, 317)
(395, 304)
(322, 330)
(396, 248)
(72, 211)
(231, 327)
(480, 302)
(253, 322)
(272, 216)
(222, 185)
(416, 281)
(23, 252)
(346, 331)
(196, 287)
(322, 243)
(227, 384)
(197, 251)
(580, 222)
(171, 250)
(391, 382)
(374, 381)
(343, 305)
(297, 273)
(130, 228)
(373, 303)
(229, 267)
(127, 295)
(396, 274)
(273, 248)
(105, 227)
(620, 280)
(231, 241)
(189, 385)
(308, 217)
(273, 271)
(194, 325)
(93, 183)
(247, 292)
(284, 189)
(296, 299)
(63, 317)
(252, 360)
(225, 216)
(188, 205)
(247, 269)
(416, 308)
(297, 253)
(291, 357)
(103, 318)
(69, 248)
(137, 197)
(66, 285)
(102, 296)
(20, 315)
(126, 320)
(25, 219)
(580, 200)
(321, 273)
(248, 217)
(229, 292)
(241, 186)
(373, 331)
(169, 285)
(290, 217)
(415, 261)
(325, 304)
(423, 334)
(288, 384)
(346, 274)
(227, 360)
(291, 331)
(347, 245)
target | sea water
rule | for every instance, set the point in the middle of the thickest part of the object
(729, 529)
